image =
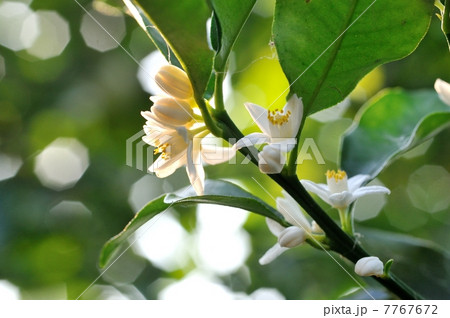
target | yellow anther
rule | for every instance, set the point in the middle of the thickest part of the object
(276, 117)
(339, 175)
(163, 150)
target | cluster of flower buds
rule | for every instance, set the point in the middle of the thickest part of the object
(175, 107)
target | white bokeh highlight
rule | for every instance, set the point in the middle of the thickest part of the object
(148, 67)
(265, 293)
(428, 188)
(8, 291)
(61, 164)
(19, 26)
(145, 189)
(164, 242)
(102, 32)
(222, 244)
(53, 37)
(70, 209)
(196, 285)
(9, 166)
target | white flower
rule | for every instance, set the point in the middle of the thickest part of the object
(175, 134)
(443, 89)
(369, 266)
(340, 192)
(287, 237)
(279, 130)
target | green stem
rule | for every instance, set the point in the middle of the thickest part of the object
(207, 118)
(339, 241)
(218, 92)
(346, 221)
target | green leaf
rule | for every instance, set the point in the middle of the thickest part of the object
(422, 264)
(391, 123)
(144, 22)
(325, 47)
(182, 23)
(228, 19)
(216, 192)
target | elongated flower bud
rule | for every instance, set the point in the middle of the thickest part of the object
(443, 89)
(271, 160)
(292, 237)
(172, 111)
(369, 266)
(174, 81)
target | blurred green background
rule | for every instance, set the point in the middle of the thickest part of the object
(70, 98)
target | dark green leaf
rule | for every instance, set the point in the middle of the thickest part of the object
(422, 264)
(230, 16)
(390, 124)
(325, 47)
(154, 34)
(182, 24)
(216, 192)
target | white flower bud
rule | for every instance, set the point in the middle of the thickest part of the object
(369, 266)
(271, 160)
(174, 81)
(316, 228)
(172, 111)
(443, 89)
(291, 237)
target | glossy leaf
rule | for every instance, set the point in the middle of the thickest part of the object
(325, 47)
(421, 263)
(182, 24)
(216, 192)
(390, 124)
(228, 19)
(144, 22)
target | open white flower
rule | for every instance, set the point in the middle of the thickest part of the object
(340, 192)
(369, 266)
(443, 89)
(175, 134)
(180, 147)
(288, 237)
(279, 130)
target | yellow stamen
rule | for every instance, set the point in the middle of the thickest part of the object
(165, 153)
(276, 117)
(339, 175)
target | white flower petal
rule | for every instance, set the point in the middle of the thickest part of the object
(443, 89)
(271, 160)
(272, 254)
(251, 140)
(213, 155)
(292, 237)
(356, 181)
(341, 200)
(290, 209)
(274, 227)
(285, 144)
(259, 116)
(370, 190)
(164, 168)
(320, 189)
(295, 106)
(194, 168)
(369, 266)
